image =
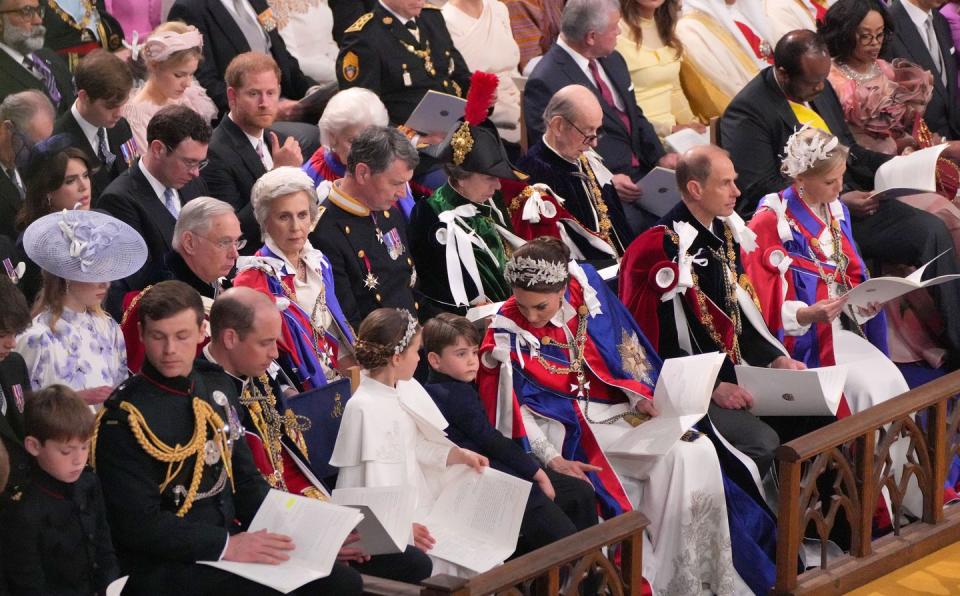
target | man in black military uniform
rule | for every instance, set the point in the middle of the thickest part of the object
(74, 29)
(155, 429)
(363, 233)
(400, 51)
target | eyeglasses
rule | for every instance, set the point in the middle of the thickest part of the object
(226, 243)
(27, 12)
(587, 139)
(188, 163)
(868, 38)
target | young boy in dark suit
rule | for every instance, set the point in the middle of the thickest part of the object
(55, 536)
(559, 505)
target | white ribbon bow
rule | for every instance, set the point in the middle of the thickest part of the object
(779, 206)
(460, 243)
(744, 236)
(522, 339)
(589, 294)
(535, 206)
(134, 46)
(686, 234)
(323, 191)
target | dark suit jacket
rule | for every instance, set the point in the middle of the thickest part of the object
(223, 40)
(557, 70)
(13, 371)
(131, 199)
(942, 115)
(10, 203)
(471, 429)
(755, 128)
(15, 78)
(116, 137)
(233, 169)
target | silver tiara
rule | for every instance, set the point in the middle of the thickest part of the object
(408, 335)
(802, 154)
(527, 272)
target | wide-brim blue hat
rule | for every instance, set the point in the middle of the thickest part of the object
(85, 246)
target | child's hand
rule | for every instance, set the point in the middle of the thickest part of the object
(352, 553)
(543, 481)
(422, 538)
(459, 455)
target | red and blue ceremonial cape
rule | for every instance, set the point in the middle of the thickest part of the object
(617, 357)
(801, 280)
(325, 165)
(298, 354)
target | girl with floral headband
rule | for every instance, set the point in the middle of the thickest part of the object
(566, 371)
(171, 55)
(391, 433)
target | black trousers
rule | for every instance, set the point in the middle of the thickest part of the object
(899, 233)
(411, 566)
(544, 521)
(185, 579)
(747, 433)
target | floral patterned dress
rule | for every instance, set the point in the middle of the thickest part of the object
(85, 351)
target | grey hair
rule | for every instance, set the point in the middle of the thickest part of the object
(378, 147)
(580, 17)
(351, 108)
(562, 104)
(282, 182)
(21, 108)
(196, 217)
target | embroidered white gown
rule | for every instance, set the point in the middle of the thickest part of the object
(681, 493)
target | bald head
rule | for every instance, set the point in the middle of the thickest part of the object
(707, 182)
(245, 326)
(572, 120)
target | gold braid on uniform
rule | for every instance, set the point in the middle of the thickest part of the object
(205, 417)
(271, 425)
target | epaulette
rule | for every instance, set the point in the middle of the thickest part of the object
(359, 23)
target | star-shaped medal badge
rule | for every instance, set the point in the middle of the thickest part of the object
(370, 281)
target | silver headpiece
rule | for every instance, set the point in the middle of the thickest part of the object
(408, 335)
(527, 272)
(801, 153)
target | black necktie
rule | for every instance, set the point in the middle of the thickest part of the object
(411, 25)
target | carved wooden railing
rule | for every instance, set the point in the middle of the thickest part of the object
(568, 562)
(850, 461)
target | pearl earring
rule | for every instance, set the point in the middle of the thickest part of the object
(800, 191)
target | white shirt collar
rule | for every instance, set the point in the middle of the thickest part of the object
(917, 15)
(563, 315)
(582, 61)
(89, 130)
(17, 56)
(157, 186)
(391, 11)
(253, 140)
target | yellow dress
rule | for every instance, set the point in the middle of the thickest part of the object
(655, 73)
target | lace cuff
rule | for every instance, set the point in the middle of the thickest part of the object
(540, 445)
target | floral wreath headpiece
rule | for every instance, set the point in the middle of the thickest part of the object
(801, 153)
(528, 272)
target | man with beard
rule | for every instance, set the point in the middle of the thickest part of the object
(243, 147)
(24, 62)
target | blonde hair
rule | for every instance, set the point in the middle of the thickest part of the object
(51, 297)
